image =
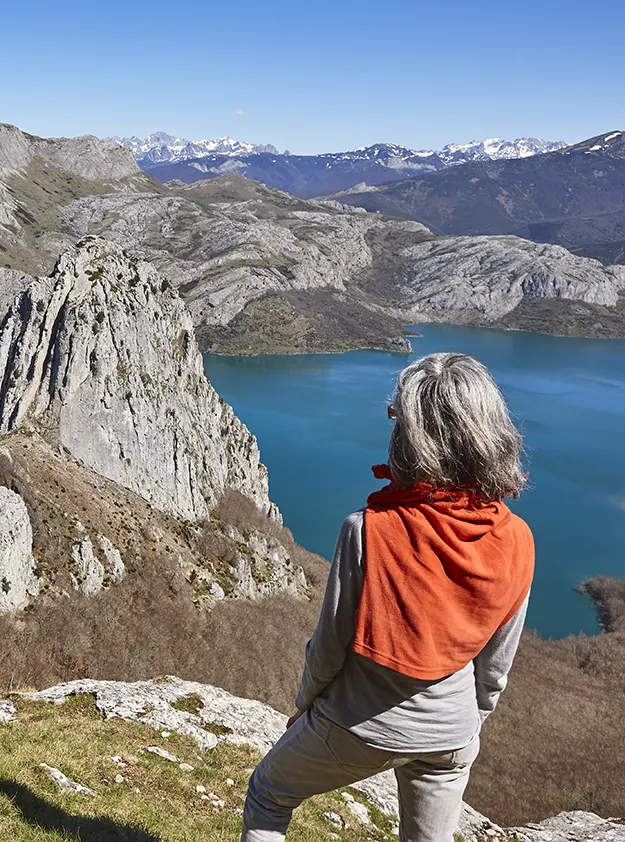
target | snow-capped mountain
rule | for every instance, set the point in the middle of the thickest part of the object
(571, 196)
(496, 149)
(166, 157)
(161, 147)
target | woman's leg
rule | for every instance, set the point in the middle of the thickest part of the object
(431, 787)
(312, 756)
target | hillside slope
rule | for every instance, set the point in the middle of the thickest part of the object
(150, 761)
(573, 197)
(137, 539)
(265, 272)
(39, 175)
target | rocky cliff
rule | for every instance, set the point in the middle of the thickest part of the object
(105, 349)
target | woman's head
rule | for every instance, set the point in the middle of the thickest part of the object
(453, 429)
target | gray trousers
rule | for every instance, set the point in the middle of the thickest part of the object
(315, 756)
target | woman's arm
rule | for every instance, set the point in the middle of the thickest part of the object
(327, 649)
(493, 663)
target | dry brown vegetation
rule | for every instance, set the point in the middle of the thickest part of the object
(555, 743)
(150, 624)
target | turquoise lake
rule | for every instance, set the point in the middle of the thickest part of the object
(321, 423)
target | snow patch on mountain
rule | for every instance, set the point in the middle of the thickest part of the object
(161, 147)
(496, 149)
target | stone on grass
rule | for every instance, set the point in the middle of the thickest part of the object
(161, 752)
(186, 767)
(66, 785)
(359, 811)
(334, 818)
(7, 711)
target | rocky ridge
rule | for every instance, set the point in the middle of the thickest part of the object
(463, 279)
(229, 243)
(39, 175)
(106, 346)
(246, 722)
(262, 271)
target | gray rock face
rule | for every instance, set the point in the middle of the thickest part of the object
(575, 826)
(89, 569)
(18, 582)
(227, 253)
(453, 278)
(86, 156)
(105, 351)
(245, 721)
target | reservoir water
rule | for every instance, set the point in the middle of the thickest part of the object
(321, 423)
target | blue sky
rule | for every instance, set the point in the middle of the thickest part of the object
(315, 76)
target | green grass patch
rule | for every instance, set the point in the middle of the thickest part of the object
(155, 802)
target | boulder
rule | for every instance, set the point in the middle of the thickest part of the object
(18, 579)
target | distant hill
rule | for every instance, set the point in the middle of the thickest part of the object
(166, 157)
(265, 272)
(573, 197)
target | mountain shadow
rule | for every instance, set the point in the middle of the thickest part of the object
(41, 814)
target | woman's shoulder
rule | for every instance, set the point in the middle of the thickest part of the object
(354, 521)
(352, 528)
(522, 528)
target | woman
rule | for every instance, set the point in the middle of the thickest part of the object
(422, 613)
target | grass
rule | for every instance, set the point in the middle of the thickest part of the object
(155, 802)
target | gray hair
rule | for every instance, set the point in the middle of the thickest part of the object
(453, 428)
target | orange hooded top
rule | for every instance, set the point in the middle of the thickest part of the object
(443, 573)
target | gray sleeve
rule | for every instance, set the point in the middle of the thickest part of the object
(493, 663)
(328, 647)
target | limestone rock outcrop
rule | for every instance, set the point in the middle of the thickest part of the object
(86, 156)
(454, 278)
(104, 352)
(248, 722)
(18, 579)
(229, 242)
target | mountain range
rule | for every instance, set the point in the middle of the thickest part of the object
(160, 147)
(137, 536)
(263, 271)
(166, 158)
(573, 197)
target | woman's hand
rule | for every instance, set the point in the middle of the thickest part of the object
(294, 718)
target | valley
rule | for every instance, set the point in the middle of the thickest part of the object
(237, 249)
(137, 512)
